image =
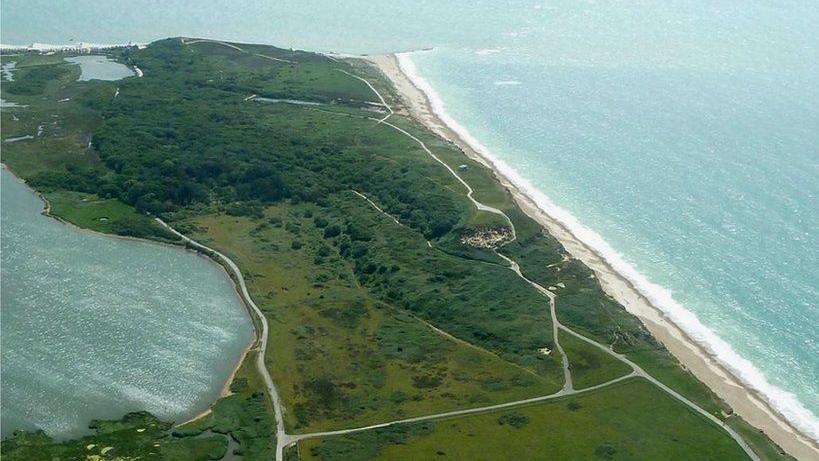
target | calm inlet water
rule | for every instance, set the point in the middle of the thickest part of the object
(683, 135)
(95, 67)
(94, 326)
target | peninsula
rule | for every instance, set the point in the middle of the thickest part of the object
(409, 301)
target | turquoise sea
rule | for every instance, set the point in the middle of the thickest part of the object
(680, 137)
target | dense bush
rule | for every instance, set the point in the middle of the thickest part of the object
(179, 137)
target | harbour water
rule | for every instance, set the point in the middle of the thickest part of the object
(682, 135)
(95, 326)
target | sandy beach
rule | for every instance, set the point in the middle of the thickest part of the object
(745, 401)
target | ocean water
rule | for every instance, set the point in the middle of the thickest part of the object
(678, 137)
(94, 326)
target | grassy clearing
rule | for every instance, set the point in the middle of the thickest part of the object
(589, 365)
(665, 368)
(307, 76)
(759, 442)
(105, 215)
(632, 420)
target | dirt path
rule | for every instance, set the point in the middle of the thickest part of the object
(472, 411)
(567, 374)
(230, 45)
(469, 192)
(381, 98)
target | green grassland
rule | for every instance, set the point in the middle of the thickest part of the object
(630, 420)
(370, 320)
(395, 365)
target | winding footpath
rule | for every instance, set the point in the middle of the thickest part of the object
(469, 192)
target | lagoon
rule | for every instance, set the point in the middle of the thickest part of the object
(95, 326)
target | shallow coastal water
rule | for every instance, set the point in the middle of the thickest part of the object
(683, 133)
(96, 67)
(95, 326)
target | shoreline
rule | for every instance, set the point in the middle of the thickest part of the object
(225, 392)
(745, 401)
(225, 388)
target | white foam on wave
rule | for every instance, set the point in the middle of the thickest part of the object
(486, 51)
(785, 402)
(506, 82)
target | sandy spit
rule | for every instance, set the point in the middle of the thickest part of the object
(744, 401)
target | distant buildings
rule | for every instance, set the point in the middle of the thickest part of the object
(44, 48)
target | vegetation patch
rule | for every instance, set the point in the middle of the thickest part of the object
(515, 420)
(32, 81)
(135, 436)
(105, 215)
(367, 445)
(588, 364)
(246, 416)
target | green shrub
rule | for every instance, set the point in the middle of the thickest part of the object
(515, 420)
